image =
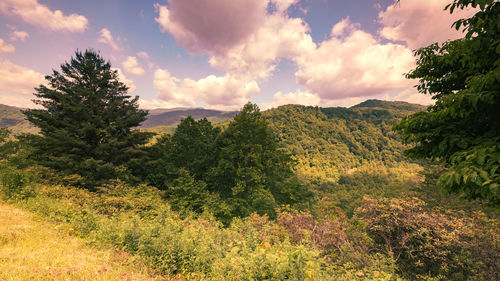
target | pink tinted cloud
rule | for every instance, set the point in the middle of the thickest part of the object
(420, 23)
(34, 13)
(6, 48)
(297, 97)
(18, 80)
(354, 64)
(210, 26)
(108, 39)
(223, 92)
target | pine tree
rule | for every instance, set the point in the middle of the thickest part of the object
(87, 120)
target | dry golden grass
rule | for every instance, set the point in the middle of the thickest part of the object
(36, 250)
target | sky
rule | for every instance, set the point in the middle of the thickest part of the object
(220, 54)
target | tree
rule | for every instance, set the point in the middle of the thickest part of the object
(252, 173)
(462, 129)
(192, 148)
(87, 120)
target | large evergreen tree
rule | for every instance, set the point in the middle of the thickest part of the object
(462, 129)
(86, 121)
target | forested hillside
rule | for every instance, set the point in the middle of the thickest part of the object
(328, 142)
(292, 193)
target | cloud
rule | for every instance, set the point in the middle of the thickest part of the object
(18, 80)
(6, 48)
(18, 35)
(156, 103)
(108, 39)
(412, 96)
(131, 66)
(211, 26)
(410, 20)
(354, 65)
(143, 55)
(129, 83)
(347, 67)
(225, 92)
(297, 97)
(34, 13)
(279, 37)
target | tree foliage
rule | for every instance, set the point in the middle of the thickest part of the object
(86, 121)
(462, 128)
(238, 171)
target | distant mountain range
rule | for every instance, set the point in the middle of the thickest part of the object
(172, 117)
(165, 120)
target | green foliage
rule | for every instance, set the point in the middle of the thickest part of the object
(462, 129)
(85, 126)
(15, 184)
(329, 142)
(374, 180)
(251, 172)
(231, 173)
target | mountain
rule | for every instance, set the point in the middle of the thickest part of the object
(11, 117)
(172, 117)
(329, 142)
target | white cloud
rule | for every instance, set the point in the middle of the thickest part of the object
(420, 23)
(131, 66)
(108, 39)
(6, 48)
(279, 37)
(349, 66)
(18, 35)
(297, 97)
(353, 65)
(129, 83)
(32, 12)
(18, 80)
(226, 92)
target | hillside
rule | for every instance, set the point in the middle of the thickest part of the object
(172, 117)
(12, 118)
(329, 142)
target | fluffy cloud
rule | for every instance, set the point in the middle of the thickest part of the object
(6, 48)
(129, 83)
(409, 21)
(18, 80)
(297, 97)
(38, 14)
(131, 66)
(108, 39)
(211, 26)
(279, 37)
(354, 64)
(227, 92)
(18, 35)
(349, 66)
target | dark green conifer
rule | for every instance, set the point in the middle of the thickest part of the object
(86, 121)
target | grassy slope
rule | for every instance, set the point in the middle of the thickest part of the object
(36, 250)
